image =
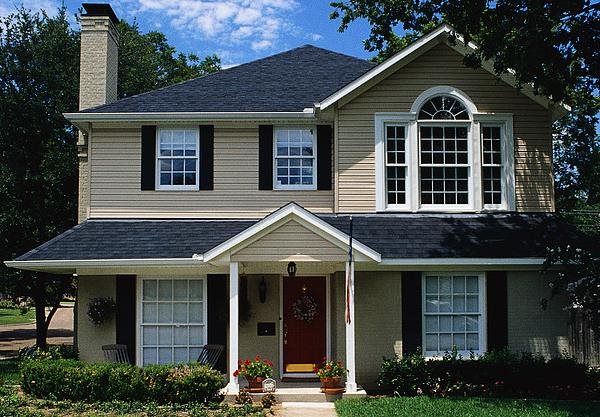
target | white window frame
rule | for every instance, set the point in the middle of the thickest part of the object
(505, 122)
(158, 158)
(284, 187)
(482, 333)
(139, 320)
(409, 119)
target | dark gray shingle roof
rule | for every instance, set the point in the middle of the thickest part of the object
(393, 236)
(289, 81)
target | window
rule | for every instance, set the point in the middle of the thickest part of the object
(444, 167)
(444, 155)
(395, 153)
(491, 165)
(453, 307)
(173, 327)
(177, 159)
(295, 159)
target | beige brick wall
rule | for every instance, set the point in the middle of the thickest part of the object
(90, 338)
(378, 321)
(265, 346)
(531, 328)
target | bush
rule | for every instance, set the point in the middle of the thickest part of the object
(52, 352)
(73, 380)
(495, 374)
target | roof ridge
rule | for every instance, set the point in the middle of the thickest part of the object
(225, 70)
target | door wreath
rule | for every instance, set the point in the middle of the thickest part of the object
(305, 308)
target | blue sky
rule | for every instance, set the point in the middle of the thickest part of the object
(236, 30)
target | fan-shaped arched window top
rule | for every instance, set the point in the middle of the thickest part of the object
(443, 108)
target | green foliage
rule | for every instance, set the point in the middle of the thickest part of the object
(330, 369)
(51, 352)
(268, 400)
(147, 61)
(257, 368)
(9, 372)
(39, 81)
(494, 374)
(77, 381)
(466, 407)
(101, 310)
(243, 398)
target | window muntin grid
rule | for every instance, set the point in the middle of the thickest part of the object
(443, 107)
(452, 313)
(444, 164)
(177, 159)
(491, 164)
(295, 158)
(396, 165)
(173, 322)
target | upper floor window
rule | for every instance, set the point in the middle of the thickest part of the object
(295, 156)
(444, 156)
(177, 159)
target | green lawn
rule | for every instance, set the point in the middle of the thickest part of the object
(14, 316)
(468, 407)
(9, 371)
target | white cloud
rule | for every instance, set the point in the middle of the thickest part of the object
(314, 37)
(258, 24)
(10, 6)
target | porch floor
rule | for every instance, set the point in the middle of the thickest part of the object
(300, 392)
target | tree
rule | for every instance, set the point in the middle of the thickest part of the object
(39, 81)
(551, 45)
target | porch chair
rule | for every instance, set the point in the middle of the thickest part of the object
(210, 355)
(116, 353)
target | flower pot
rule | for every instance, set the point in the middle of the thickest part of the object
(255, 384)
(332, 385)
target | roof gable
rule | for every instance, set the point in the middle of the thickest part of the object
(413, 51)
(286, 82)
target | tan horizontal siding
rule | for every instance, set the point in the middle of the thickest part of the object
(116, 170)
(442, 66)
(292, 241)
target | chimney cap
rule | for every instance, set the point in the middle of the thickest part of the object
(100, 9)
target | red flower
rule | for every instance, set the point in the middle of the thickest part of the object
(257, 358)
(236, 372)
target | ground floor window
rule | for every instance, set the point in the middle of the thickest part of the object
(173, 320)
(453, 313)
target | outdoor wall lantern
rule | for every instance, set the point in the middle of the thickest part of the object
(291, 269)
(262, 290)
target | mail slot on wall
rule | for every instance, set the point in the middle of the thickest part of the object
(265, 329)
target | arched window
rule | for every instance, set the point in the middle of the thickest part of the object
(443, 108)
(444, 160)
(444, 155)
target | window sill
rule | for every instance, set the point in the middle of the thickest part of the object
(466, 355)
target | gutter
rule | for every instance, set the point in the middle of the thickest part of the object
(196, 260)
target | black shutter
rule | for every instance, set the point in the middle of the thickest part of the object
(324, 144)
(218, 314)
(207, 156)
(411, 312)
(148, 178)
(125, 317)
(497, 310)
(265, 157)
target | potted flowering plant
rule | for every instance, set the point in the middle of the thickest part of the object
(255, 371)
(331, 374)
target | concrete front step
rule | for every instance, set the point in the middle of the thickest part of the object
(301, 394)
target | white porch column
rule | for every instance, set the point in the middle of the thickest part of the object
(350, 339)
(233, 385)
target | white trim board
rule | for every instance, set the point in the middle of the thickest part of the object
(286, 213)
(440, 34)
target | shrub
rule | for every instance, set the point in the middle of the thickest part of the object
(496, 374)
(52, 352)
(77, 381)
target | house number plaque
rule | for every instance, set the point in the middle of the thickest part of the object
(269, 385)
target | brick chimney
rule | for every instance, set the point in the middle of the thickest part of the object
(99, 56)
(97, 81)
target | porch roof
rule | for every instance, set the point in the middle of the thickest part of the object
(394, 236)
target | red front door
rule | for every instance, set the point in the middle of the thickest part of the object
(304, 323)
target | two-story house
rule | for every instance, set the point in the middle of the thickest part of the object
(221, 209)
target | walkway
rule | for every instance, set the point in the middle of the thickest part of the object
(15, 336)
(293, 409)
